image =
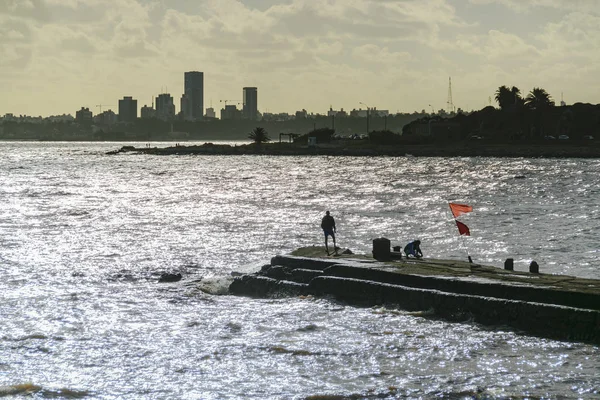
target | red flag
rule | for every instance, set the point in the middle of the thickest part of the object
(463, 229)
(459, 209)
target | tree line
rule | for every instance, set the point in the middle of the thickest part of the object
(511, 98)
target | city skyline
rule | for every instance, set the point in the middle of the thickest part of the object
(59, 55)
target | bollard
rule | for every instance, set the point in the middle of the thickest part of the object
(381, 249)
(534, 268)
(509, 264)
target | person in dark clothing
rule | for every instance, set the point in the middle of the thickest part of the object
(328, 226)
(413, 249)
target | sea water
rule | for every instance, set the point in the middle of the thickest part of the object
(84, 237)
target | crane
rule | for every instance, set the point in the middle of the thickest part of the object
(103, 105)
(225, 101)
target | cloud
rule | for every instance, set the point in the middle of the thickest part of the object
(521, 6)
(79, 42)
(16, 40)
(575, 35)
(27, 9)
(507, 46)
(372, 53)
(300, 53)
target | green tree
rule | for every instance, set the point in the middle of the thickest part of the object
(259, 135)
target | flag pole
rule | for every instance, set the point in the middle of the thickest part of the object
(459, 233)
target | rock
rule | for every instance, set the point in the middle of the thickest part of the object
(169, 277)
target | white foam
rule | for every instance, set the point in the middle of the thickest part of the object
(217, 285)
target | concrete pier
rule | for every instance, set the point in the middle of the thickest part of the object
(554, 306)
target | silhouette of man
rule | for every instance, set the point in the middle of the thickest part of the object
(328, 226)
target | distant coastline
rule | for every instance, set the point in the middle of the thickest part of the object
(555, 149)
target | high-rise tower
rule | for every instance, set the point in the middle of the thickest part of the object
(194, 95)
(250, 110)
(165, 109)
(127, 109)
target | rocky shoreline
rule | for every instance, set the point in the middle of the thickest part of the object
(463, 149)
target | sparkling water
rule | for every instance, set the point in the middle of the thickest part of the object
(84, 237)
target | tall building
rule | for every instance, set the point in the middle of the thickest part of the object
(186, 108)
(165, 108)
(83, 116)
(194, 95)
(250, 110)
(127, 109)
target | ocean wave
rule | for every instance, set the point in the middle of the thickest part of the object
(218, 285)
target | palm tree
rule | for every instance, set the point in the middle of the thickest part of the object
(516, 94)
(540, 102)
(508, 98)
(539, 99)
(259, 135)
(503, 97)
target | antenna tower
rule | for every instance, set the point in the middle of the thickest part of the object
(450, 104)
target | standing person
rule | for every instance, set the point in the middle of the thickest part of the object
(413, 249)
(328, 226)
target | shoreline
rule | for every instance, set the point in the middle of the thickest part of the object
(465, 149)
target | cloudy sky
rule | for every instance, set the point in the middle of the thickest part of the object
(59, 55)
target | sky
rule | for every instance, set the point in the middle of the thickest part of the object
(57, 56)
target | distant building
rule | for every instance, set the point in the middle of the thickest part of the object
(360, 113)
(194, 93)
(9, 117)
(374, 112)
(301, 114)
(267, 116)
(231, 112)
(147, 112)
(186, 107)
(250, 110)
(28, 119)
(84, 116)
(210, 113)
(127, 109)
(107, 118)
(165, 109)
(334, 113)
(60, 118)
